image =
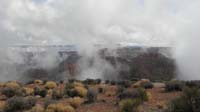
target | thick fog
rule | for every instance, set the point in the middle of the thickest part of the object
(86, 23)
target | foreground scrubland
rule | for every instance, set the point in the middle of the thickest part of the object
(100, 96)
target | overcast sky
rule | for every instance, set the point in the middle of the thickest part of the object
(90, 21)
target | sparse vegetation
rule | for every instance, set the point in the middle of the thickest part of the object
(59, 108)
(75, 102)
(188, 102)
(9, 92)
(129, 105)
(92, 81)
(40, 91)
(15, 104)
(57, 94)
(174, 85)
(147, 85)
(39, 82)
(74, 96)
(12, 84)
(50, 85)
(136, 93)
(37, 109)
(82, 92)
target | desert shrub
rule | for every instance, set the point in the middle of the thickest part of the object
(147, 85)
(124, 83)
(180, 105)
(92, 81)
(39, 82)
(194, 83)
(82, 92)
(69, 86)
(37, 109)
(30, 101)
(191, 92)
(174, 85)
(136, 85)
(100, 90)
(187, 102)
(50, 85)
(14, 85)
(128, 94)
(78, 84)
(57, 94)
(68, 90)
(139, 93)
(72, 93)
(48, 101)
(91, 96)
(41, 92)
(15, 104)
(75, 102)
(129, 105)
(28, 91)
(143, 94)
(59, 108)
(36, 91)
(9, 92)
(149, 95)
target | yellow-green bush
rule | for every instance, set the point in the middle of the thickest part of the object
(145, 83)
(59, 108)
(75, 102)
(28, 90)
(78, 84)
(39, 82)
(50, 85)
(57, 94)
(37, 108)
(13, 84)
(129, 105)
(81, 91)
(143, 94)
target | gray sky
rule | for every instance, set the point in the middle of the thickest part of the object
(77, 21)
(99, 21)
